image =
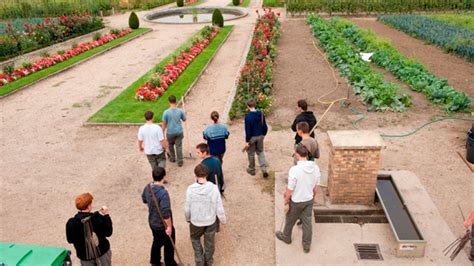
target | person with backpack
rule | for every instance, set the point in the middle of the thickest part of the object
(255, 131)
(202, 209)
(88, 232)
(160, 219)
(216, 135)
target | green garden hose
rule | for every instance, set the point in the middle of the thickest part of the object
(442, 118)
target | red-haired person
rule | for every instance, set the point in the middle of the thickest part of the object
(88, 231)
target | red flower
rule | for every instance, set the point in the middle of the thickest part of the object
(9, 24)
(278, 13)
(5, 30)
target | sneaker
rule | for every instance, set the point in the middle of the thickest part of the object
(265, 174)
(299, 222)
(172, 160)
(180, 164)
(250, 172)
(280, 236)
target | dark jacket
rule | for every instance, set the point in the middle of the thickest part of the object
(214, 167)
(255, 125)
(101, 225)
(307, 117)
(216, 134)
(163, 198)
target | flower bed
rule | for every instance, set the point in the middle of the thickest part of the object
(256, 79)
(30, 79)
(52, 60)
(19, 39)
(126, 109)
(371, 87)
(448, 37)
(407, 70)
(165, 76)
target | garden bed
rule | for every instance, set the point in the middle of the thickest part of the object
(256, 76)
(405, 69)
(34, 77)
(125, 109)
(21, 36)
(452, 39)
(368, 84)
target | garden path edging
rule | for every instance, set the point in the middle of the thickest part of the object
(231, 97)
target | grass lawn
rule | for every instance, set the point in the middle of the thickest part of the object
(21, 83)
(125, 109)
(245, 3)
(273, 3)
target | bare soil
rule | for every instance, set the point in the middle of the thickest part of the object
(302, 73)
(458, 71)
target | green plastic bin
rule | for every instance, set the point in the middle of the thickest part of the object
(12, 254)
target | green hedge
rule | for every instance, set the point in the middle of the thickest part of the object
(375, 6)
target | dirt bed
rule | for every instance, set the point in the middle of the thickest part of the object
(458, 71)
(431, 154)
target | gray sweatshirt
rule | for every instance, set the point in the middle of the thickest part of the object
(203, 204)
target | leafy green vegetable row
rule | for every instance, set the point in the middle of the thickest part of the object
(375, 6)
(405, 69)
(448, 37)
(371, 87)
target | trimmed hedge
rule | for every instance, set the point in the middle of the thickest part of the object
(133, 21)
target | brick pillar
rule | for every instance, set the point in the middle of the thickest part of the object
(353, 166)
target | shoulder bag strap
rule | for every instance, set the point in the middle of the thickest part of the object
(157, 205)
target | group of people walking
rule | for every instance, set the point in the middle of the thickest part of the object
(203, 209)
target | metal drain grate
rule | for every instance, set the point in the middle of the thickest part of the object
(368, 251)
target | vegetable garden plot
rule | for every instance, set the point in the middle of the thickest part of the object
(374, 6)
(464, 20)
(405, 69)
(370, 86)
(448, 37)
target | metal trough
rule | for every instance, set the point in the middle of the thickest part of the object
(410, 242)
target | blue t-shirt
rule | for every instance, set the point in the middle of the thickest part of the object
(173, 118)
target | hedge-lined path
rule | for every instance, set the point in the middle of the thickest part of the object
(458, 71)
(48, 157)
(431, 154)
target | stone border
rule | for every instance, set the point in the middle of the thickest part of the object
(231, 97)
(238, 11)
(73, 65)
(180, 102)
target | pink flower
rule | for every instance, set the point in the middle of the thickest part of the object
(9, 24)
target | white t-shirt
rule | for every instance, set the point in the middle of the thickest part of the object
(302, 179)
(151, 135)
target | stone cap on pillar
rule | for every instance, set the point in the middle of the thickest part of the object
(355, 139)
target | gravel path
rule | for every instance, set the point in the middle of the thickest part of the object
(48, 157)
